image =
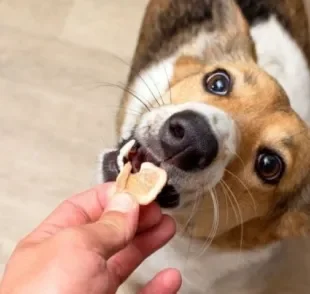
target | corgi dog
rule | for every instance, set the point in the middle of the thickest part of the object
(219, 97)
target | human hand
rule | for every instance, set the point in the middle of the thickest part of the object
(90, 244)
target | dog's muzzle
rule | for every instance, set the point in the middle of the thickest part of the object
(187, 143)
(183, 140)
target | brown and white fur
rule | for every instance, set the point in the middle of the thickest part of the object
(231, 221)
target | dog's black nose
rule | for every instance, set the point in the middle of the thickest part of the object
(188, 141)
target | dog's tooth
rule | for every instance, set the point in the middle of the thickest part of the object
(120, 162)
(123, 153)
(127, 147)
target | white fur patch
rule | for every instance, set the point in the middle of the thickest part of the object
(152, 82)
(200, 272)
(280, 56)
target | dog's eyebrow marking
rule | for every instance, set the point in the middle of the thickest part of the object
(288, 141)
(250, 78)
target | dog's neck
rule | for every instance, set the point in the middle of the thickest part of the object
(204, 268)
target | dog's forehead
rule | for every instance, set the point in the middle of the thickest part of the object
(249, 80)
(256, 101)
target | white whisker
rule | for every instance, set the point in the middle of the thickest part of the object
(138, 74)
(240, 213)
(215, 223)
(245, 186)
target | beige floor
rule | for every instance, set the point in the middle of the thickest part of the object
(55, 114)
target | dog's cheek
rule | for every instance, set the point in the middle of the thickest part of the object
(109, 167)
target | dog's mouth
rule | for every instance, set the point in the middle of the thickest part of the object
(137, 154)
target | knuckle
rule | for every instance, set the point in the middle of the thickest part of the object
(118, 268)
(115, 231)
(72, 236)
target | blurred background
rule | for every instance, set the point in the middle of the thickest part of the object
(56, 115)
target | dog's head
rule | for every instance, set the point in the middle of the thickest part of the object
(236, 153)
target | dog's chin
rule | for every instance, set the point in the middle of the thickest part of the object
(168, 198)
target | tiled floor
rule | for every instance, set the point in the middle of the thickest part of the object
(56, 115)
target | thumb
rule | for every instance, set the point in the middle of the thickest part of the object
(116, 227)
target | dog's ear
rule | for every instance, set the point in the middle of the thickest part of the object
(225, 37)
(226, 14)
(216, 27)
(232, 40)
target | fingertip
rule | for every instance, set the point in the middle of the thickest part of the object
(159, 234)
(166, 282)
(149, 217)
(152, 207)
(168, 225)
(122, 202)
(172, 279)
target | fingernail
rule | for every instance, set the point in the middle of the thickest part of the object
(121, 202)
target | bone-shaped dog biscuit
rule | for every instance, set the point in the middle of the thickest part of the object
(144, 185)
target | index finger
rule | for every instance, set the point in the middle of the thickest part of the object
(80, 209)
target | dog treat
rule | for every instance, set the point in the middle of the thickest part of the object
(144, 185)
(122, 179)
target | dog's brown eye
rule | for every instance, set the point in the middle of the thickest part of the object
(269, 166)
(218, 83)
